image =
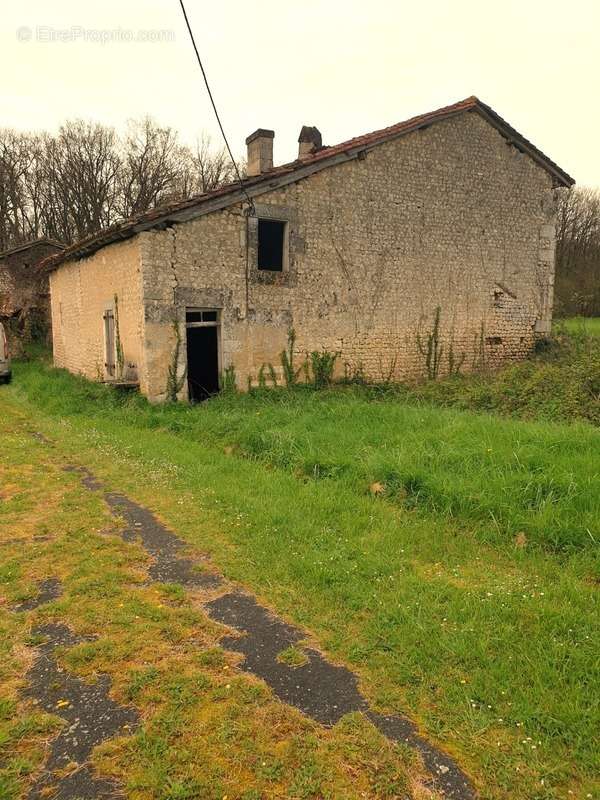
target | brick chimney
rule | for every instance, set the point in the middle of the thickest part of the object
(309, 141)
(260, 151)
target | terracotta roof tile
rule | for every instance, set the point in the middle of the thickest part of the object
(162, 214)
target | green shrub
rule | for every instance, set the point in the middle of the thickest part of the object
(322, 364)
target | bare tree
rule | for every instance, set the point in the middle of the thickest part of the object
(154, 164)
(86, 177)
(209, 168)
(578, 252)
(15, 163)
(81, 165)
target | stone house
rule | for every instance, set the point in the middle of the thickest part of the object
(24, 290)
(425, 247)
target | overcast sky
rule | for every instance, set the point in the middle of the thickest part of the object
(346, 66)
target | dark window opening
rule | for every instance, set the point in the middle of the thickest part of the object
(201, 316)
(271, 240)
(494, 340)
(202, 362)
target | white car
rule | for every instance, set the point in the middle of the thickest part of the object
(5, 370)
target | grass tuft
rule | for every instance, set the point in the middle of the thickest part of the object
(293, 657)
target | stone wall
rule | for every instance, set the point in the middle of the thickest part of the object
(7, 291)
(82, 291)
(24, 292)
(450, 217)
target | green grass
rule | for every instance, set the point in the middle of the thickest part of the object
(500, 476)
(207, 730)
(466, 593)
(293, 656)
(589, 326)
(561, 383)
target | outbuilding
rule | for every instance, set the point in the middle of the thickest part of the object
(420, 249)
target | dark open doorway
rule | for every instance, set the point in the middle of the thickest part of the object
(202, 361)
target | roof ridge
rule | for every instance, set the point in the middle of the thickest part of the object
(31, 243)
(304, 166)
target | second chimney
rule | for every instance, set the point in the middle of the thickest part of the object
(309, 141)
(260, 151)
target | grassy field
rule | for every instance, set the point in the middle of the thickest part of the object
(450, 557)
(585, 325)
(207, 730)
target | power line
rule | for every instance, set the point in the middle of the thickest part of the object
(233, 161)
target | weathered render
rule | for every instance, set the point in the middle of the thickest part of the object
(82, 292)
(424, 253)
